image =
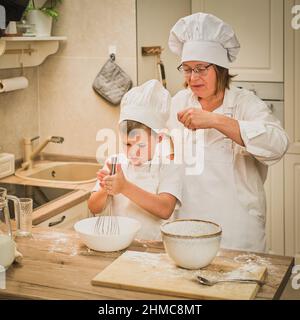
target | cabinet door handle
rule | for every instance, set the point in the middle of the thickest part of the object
(55, 223)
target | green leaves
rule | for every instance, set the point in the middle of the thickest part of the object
(49, 8)
(51, 12)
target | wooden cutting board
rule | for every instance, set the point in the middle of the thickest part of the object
(156, 273)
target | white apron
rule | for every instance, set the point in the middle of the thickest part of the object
(146, 177)
(213, 195)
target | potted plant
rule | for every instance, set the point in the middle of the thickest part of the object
(41, 13)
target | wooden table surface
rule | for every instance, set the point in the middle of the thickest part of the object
(57, 266)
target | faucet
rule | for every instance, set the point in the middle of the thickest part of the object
(30, 154)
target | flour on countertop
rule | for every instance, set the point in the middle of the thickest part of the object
(161, 264)
(59, 242)
(249, 265)
(252, 258)
(242, 272)
(63, 245)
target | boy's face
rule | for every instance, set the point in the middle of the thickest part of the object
(139, 146)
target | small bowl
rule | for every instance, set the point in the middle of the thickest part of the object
(191, 243)
(107, 243)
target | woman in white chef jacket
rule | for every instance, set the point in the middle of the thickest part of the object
(241, 137)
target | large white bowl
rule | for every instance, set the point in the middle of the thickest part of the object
(191, 244)
(107, 243)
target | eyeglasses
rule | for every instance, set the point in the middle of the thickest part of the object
(199, 69)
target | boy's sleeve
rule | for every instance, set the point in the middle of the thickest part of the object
(171, 181)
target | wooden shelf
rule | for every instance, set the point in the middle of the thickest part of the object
(30, 39)
(31, 51)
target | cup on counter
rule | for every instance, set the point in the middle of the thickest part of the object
(11, 28)
(25, 224)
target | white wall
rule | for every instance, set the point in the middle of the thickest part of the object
(60, 99)
(155, 18)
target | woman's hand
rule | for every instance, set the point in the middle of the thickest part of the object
(194, 118)
(116, 183)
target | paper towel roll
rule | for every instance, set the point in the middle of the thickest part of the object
(11, 84)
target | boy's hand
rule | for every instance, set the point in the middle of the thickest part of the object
(101, 174)
(105, 171)
(116, 183)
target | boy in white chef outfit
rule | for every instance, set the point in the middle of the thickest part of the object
(144, 187)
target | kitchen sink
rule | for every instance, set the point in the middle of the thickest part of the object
(40, 195)
(61, 172)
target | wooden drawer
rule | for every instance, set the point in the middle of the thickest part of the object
(67, 218)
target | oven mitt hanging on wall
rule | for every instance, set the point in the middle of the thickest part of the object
(112, 82)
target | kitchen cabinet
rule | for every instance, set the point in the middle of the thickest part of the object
(292, 121)
(292, 206)
(259, 25)
(67, 219)
(292, 79)
(283, 183)
(274, 187)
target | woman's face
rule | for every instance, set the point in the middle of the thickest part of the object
(204, 86)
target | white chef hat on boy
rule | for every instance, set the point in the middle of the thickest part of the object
(204, 37)
(148, 104)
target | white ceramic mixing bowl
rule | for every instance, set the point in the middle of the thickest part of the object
(101, 242)
(191, 244)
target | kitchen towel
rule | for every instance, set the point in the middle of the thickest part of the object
(111, 83)
(12, 84)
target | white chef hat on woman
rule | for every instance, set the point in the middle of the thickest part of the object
(204, 37)
(148, 104)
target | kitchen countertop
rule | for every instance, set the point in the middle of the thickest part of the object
(57, 266)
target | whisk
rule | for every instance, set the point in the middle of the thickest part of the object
(108, 224)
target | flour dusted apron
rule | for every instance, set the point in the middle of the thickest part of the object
(213, 195)
(146, 177)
